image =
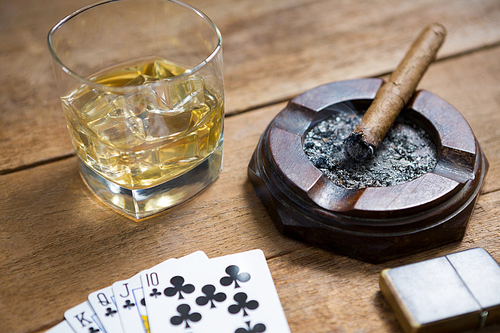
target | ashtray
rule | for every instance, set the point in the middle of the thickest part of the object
(373, 224)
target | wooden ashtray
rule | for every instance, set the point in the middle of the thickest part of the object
(372, 224)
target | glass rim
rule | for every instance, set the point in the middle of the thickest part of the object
(100, 86)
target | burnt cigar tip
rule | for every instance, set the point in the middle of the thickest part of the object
(357, 149)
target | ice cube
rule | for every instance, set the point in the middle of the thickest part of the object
(163, 69)
(79, 98)
(183, 150)
(136, 126)
(159, 126)
(188, 95)
(120, 127)
(136, 81)
(140, 102)
(182, 96)
(117, 133)
(107, 159)
(118, 108)
(98, 107)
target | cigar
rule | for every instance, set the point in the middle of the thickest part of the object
(391, 98)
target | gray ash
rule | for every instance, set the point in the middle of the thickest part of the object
(406, 153)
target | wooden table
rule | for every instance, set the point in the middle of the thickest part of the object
(58, 243)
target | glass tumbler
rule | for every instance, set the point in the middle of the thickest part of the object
(141, 85)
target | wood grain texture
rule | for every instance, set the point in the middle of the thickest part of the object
(55, 235)
(58, 243)
(273, 50)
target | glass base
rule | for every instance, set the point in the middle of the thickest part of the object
(145, 202)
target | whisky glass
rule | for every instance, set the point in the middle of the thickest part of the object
(141, 86)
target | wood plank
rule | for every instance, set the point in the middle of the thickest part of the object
(273, 50)
(57, 237)
(282, 48)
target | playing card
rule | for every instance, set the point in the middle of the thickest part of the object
(252, 302)
(141, 306)
(104, 304)
(62, 327)
(130, 302)
(233, 294)
(154, 283)
(83, 319)
(128, 296)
